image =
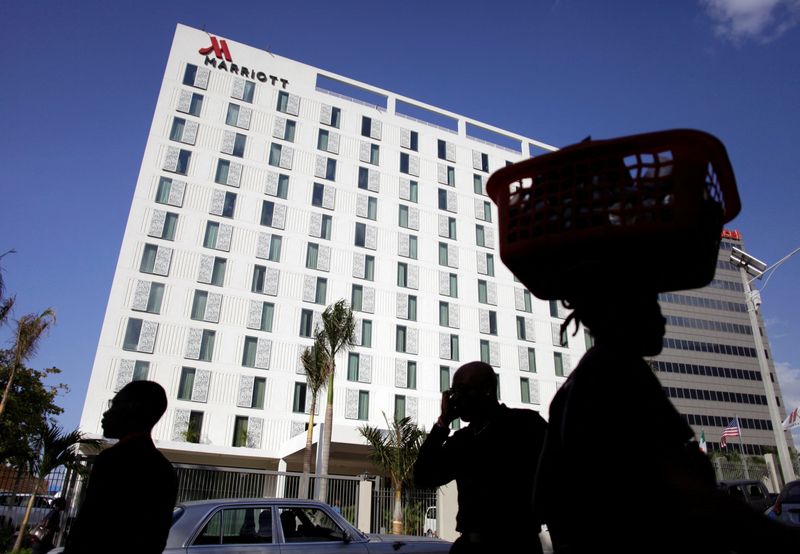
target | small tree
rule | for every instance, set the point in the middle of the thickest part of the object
(56, 449)
(315, 363)
(338, 331)
(395, 451)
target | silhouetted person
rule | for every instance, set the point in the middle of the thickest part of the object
(493, 461)
(620, 468)
(132, 487)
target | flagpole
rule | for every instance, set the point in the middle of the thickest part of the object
(741, 447)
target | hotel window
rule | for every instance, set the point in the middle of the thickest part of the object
(482, 162)
(190, 75)
(483, 292)
(363, 405)
(490, 265)
(402, 274)
(374, 154)
(400, 338)
(272, 215)
(413, 191)
(132, 332)
(228, 204)
(372, 208)
(281, 189)
(399, 407)
(366, 333)
(285, 104)
(169, 193)
(441, 149)
(288, 131)
(166, 230)
(312, 253)
(267, 314)
(451, 176)
(249, 351)
(492, 322)
(405, 161)
(451, 228)
(232, 117)
(486, 354)
(323, 141)
(330, 169)
(558, 360)
(259, 392)
(240, 431)
(179, 129)
(325, 227)
(442, 199)
(248, 92)
(444, 378)
(412, 308)
(238, 145)
(299, 400)
(554, 311)
(532, 360)
(403, 216)
(352, 366)
(306, 323)
(369, 268)
(412, 247)
(199, 305)
(179, 164)
(525, 390)
(357, 298)
(361, 234)
(454, 355)
(588, 339)
(331, 115)
(223, 169)
(480, 235)
(186, 383)
(148, 258)
(321, 291)
(259, 276)
(194, 104)
(453, 283)
(370, 128)
(411, 375)
(275, 242)
(413, 141)
(275, 151)
(443, 253)
(527, 301)
(487, 212)
(477, 184)
(444, 314)
(140, 371)
(207, 345)
(521, 335)
(363, 178)
(317, 195)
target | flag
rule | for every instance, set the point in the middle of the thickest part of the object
(703, 445)
(792, 420)
(732, 430)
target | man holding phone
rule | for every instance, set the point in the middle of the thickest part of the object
(493, 461)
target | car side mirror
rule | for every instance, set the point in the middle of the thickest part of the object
(346, 537)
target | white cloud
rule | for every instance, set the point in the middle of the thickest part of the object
(762, 20)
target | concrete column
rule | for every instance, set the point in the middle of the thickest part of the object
(280, 485)
(364, 505)
(447, 500)
(775, 482)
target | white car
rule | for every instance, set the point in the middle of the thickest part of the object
(13, 506)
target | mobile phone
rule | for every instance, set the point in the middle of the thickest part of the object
(452, 403)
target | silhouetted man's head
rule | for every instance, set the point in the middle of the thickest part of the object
(474, 390)
(136, 408)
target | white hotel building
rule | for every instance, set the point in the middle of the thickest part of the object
(262, 198)
(270, 189)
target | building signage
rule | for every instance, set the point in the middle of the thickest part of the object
(222, 60)
(733, 235)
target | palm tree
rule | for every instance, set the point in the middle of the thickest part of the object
(30, 329)
(56, 449)
(5, 303)
(315, 363)
(338, 333)
(395, 452)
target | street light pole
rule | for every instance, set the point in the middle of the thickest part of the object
(749, 265)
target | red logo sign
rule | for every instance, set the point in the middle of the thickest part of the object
(728, 234)
(219, 47)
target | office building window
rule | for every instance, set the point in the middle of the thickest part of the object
(335, 117)
(195, 105)
(164, 192)
(306, 323)
(189, 74)
(558, 360)
(444, 378)
(366, 333)
(211, 234)
(451, 228)
(275, 151)
(400, 338)
(554, 312)
(483, 162)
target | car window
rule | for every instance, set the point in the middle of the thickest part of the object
(307, 524)
(251, 525)
(755, 492)
(792, 495)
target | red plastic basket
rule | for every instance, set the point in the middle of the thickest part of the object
(648, 208)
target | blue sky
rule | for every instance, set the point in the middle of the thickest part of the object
(80, 82)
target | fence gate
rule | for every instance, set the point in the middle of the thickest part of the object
(419, 511)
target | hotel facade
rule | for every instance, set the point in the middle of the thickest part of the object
(270, 189)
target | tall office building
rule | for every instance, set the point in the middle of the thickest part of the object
(709, 366)
(270, 189)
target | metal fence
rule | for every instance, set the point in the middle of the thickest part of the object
(730, 471)
(204, 482)
(419, 511)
